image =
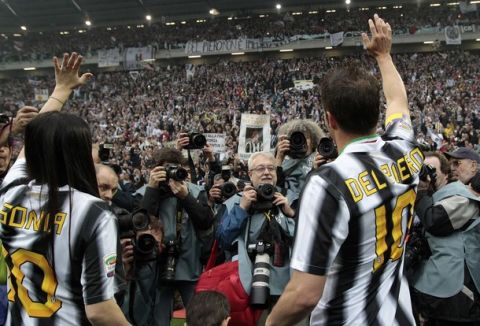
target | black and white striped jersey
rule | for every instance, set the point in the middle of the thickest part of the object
(353, 219)
(58, 264)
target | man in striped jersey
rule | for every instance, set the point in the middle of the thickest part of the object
(354, 212)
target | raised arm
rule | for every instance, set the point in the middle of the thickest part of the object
(379, 46)
(66, 80)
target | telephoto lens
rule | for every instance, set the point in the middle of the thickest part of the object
(145, 248)
(171, 252)
(327, 148)
(260, 292)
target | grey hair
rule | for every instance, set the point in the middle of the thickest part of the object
(309, 127)
(255, 155)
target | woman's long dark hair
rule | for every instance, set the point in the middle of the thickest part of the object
(58, 150)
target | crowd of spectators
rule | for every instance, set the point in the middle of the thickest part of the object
(138, 113)
(280, 25)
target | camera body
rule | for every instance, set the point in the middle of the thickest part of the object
(104, 152)
(327, 148)
(196, 141)
(174, 172)
(265, 196)
(171, 254)
(4, 119)
(428, 171)
(298, 145)
(416, 249)
(226, 173)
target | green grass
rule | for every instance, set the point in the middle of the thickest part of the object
(177, 322)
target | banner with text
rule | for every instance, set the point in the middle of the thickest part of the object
(217, 141)
(135, 57)
(254, 135)
(109, 58)
(336, 39)
(233, 45)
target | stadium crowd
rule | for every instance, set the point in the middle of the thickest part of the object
(139, 114)
(408, 18)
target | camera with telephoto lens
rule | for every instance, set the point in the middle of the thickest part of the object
(265, 196)
(196, 141)
(327, 148)
(260, 292)
(171, 254)
(298, 145)
(145, 244)
(416, 249)
(104, 152)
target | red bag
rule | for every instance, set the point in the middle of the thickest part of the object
(225, 279)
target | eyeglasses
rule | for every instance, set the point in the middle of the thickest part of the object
(261, 168)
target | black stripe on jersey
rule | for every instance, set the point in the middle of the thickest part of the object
(348, 251)
(372, 305)
(400, 315)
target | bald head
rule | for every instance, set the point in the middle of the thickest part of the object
(107, 181)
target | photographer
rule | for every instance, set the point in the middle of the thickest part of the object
(183, 210)
(258, 218)
(296, 152)
(447, 283)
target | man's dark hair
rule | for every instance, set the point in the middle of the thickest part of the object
(444, 165)
(168, 155)
(58, 151)
(207, 308)
(351, 95)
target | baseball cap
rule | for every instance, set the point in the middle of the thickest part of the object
(464, 153)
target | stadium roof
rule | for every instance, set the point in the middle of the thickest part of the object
(42, 15)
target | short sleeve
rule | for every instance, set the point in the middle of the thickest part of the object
(100, 259)
(322, 227)
(399, 126)
(17, 171)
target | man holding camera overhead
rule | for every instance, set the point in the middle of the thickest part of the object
(185, 215)
(258, 226)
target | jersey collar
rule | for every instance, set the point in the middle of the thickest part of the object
(360, 140)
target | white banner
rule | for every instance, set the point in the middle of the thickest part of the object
(336, 39)
(233, 45)
(41, 94)
(135, 57)
(254, 135)
(217, 141)
(109, 57)
(453, 35)
(303, 85)
(190, 70)
(468, 28)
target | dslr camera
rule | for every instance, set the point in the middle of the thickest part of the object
(265, 195)
(104, 152)
(174, 172)
(327, 148)
(145, 244)
(417, 249)
(196, 141)
(298, 145)
(260, 292)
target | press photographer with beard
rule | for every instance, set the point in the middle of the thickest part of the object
(186, 217)
(446, 283)
(259, 221)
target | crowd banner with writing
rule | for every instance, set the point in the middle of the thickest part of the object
(254, 135)
(453, 35)
(234, 45)
(466, 7)
(109, 57)
(41, 94)
(136, 57)
(217, 141)
(336, 39)
(303, 84)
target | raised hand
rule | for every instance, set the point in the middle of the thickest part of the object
(66, 73)
(381, 41)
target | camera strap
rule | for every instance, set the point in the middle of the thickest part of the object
(193, 172)
(179, 221)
